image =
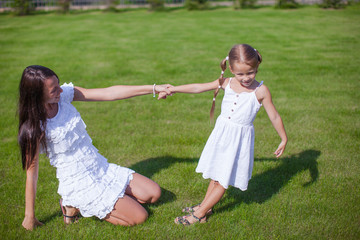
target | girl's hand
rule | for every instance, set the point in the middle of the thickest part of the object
(162, 95)
(279, 151)
(163, 88)
(30, 223)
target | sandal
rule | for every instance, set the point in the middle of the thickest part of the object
(182, 220)
(191, 209)
(73, 219)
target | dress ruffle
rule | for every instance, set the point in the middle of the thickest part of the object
(96, 194)
(86, 180)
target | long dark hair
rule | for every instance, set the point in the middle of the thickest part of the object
(243, 53)
(32, 112)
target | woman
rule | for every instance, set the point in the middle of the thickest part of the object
(49, 123)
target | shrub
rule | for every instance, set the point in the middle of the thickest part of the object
(196, 4)
(238, 4)
(156, 5)
(64, 5)
(23, 7)
(333, 4)
(286, 4)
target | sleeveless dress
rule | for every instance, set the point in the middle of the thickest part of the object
(228, 155)
(86, 180)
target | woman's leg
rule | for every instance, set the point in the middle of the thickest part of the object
(127, 212)
(143, 189)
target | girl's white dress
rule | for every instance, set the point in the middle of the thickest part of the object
(228, 155)
(86, 180)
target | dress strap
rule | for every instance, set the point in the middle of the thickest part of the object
(261, 83)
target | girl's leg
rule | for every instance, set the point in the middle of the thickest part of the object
(143, 189)
(127, 212)
(208, 192)
(213, 196)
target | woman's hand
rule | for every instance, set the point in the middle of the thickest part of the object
(163, 90)
(30, 223)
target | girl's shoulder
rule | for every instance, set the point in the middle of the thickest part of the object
(262, 92)
(225, 83)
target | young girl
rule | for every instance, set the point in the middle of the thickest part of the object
(49, 123)
(228, 156)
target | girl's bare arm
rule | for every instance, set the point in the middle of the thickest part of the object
(275, 118)
(195, 87)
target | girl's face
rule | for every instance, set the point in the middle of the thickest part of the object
(52, 90)
(244, 73)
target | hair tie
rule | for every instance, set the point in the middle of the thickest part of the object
(222, 72)
(255, 49)
(213, 99)
(227, 58)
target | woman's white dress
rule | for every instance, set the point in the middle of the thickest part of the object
(228, 155)
(86, 180)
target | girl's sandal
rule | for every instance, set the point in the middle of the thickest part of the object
(191, 209)
(73, 219)
(183, 221)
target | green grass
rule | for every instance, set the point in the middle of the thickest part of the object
(310, 63)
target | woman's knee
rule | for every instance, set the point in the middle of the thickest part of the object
(155, 193)
(139, 216)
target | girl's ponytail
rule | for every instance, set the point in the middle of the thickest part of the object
(259, 57)
(221, 81)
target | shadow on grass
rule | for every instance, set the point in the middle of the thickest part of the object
(263, 186)
(151, 166)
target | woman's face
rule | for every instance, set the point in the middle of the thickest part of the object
(244, 73)
(52, 90)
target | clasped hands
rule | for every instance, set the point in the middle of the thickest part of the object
(163, 90)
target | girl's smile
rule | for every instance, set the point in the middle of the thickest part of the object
(244, 73)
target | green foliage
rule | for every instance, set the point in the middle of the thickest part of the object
(310, 65)
(23, 7)
(336, 4)
(196, 4)
(156, 5)
(64, 5)
(241, 4)
(287, 4)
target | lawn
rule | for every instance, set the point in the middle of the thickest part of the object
(310, 64)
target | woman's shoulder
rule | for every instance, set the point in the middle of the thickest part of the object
(68, 92)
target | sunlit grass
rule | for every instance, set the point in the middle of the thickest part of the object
(311, 59)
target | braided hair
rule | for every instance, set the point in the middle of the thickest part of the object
(240, 53)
